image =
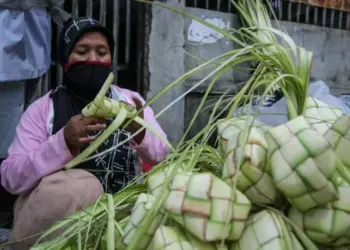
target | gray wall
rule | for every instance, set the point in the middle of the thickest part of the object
(178, 44)
(166, 63)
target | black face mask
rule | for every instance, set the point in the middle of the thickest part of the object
(85, 79)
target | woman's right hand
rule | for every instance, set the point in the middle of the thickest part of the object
(77, 129)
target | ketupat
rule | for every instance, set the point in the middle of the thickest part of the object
(339, 137)
(155, 180)
(245, 151)
(230, 126)
(302, 164)
(167, 238)
(328, 224)
(266, 230)
(143, 203)
(320, 115)
(207, 207)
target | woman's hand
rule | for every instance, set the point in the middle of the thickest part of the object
(133, 127)
(77, 129)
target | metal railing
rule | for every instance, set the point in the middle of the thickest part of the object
(287, 11)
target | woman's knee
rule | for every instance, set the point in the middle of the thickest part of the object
(63, 193)
(57, 196)
(79, 185)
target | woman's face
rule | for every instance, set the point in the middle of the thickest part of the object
(92, 46)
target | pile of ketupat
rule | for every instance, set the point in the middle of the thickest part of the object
(271, 188)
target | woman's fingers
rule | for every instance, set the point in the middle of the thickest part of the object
(93, 120)
(94, 128)
(88, 139)
(138, 103)
(91, 128)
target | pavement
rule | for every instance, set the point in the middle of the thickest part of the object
(4, 237)
(4, 232)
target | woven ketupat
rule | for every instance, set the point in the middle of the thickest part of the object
(333, 228)
(207, 207)
(246, 156)
(266, 230)
(143, 203)
(320, 115)
(339, 137)
(302, 164)
(167, 238)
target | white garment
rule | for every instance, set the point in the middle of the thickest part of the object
(25, 44)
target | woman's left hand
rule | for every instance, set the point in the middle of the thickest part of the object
(133, 127)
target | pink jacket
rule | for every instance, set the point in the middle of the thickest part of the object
(35, 153)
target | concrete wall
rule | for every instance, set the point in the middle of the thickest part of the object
(178, 44)
(331, 55)
(166, 63)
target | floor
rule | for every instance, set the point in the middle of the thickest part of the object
(4, 237)
(4, 232)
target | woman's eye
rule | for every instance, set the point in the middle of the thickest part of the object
(102, 53)
(81, 52)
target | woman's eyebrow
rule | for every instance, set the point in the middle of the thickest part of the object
(87, 45)
(82, 45)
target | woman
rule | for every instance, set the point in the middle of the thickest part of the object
(52, 131)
